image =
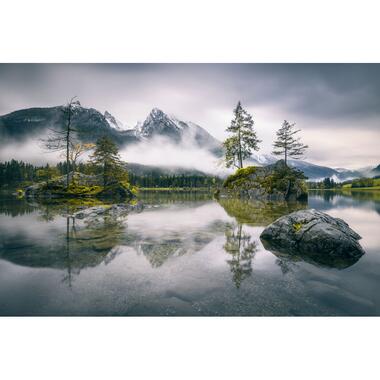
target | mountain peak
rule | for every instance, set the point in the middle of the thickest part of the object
(159, 123)
(113, 122)
(75, 104)
(156, 112)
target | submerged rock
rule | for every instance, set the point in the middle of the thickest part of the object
(313, 235)
(115, 210)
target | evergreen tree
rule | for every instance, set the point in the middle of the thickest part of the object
(106, 157)
(287, 144)
(239, 146)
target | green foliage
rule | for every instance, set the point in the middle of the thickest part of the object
(106, 158)
(239, 177)
(283, 178)
(155, 179)
(278, 179)
(74, 190)
(243, 140)
(19, 174)
(47, 174)
(363, 182)
(13, 173)
(356, 184)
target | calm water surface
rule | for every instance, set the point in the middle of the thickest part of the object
(182, 255)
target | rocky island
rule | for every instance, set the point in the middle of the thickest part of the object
(276, 182)
(80, 186)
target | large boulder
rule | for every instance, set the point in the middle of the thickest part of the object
(315, 236)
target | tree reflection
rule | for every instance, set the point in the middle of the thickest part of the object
(242, 249)
(284, 265)
(70, 232)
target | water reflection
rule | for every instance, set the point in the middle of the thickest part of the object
(321, 260)
(258, 213)
(55, 239)
(325, 200)
(183, 256)
(242, 250)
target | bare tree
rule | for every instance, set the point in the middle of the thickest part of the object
(77, 149)
(63, 140)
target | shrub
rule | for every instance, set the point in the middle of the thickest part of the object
(239, 177)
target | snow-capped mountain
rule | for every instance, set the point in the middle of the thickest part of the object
(113, 122)
(160, 124)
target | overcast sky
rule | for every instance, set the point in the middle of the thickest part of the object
(337, 106)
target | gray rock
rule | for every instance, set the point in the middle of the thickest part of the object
(314, 235)
(115, 210)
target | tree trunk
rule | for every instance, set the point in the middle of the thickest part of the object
(68, 147)
(240, 157)
(286, 154)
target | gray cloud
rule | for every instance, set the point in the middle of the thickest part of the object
(323, 97)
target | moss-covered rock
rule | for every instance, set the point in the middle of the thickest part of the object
(272, 182)
(82, 186)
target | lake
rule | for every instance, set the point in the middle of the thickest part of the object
(183, 254)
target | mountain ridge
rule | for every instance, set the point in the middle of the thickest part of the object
(91, 124)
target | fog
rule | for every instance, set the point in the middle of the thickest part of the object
(156, 152)
(161, 152)
(30, 151)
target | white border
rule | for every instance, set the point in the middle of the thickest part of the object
(189, 31)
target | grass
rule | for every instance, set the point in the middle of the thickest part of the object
(348, 186)
(362, 188)
(175, 189)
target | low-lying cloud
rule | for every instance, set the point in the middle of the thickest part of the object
(161, 152)
(30, 151)
(156, 152)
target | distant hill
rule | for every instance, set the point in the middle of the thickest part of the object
(375, 172)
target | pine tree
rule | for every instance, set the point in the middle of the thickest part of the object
(239, 146)
(287, 144)
(106, 157)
